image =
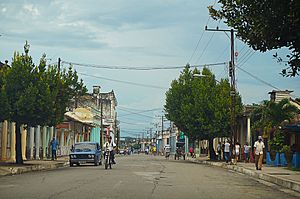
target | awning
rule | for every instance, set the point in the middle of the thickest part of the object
(81, 115)
(292, 128)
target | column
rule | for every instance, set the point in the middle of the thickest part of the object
(31, 141)
(23, 141)
(4, 141)
(248, 131)
(62, 142)
(242, 138)
(51, 133)
(37, 141)
(13, 142)
(44, 141)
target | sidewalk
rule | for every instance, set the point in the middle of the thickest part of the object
(277, 175)
(7, 168)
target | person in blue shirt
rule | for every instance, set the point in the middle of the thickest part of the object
(54, 144)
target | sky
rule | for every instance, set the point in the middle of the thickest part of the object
(140, 34)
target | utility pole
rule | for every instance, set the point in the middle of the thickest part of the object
(162, 133)
(101, 123)
(232, 80)
(59, 60)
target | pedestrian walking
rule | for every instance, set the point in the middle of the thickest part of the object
(191, 150)
(219, 150)
(247, 148)
(223, 147)
(154, 150)
(237, 151)
(54, 144)
(226, 150)
(259, 151)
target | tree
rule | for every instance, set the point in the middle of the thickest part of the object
(265, 25)
(269, 117)
(200, 106)
(37, 95)
(4, 105)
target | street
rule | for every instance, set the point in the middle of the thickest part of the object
(138, 176)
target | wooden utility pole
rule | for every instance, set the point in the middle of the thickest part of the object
(232, 81)
(59, 61)
(101, 123)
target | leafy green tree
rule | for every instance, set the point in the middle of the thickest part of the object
(4, 105)
(265, 25)
(37, 95)
(269, 116)
(200, 106)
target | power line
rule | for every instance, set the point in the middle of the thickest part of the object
(138, 68)
(257, 78)
(200, 37)
(245, 60)
(125, 82)
(136, 113)
(134, 109)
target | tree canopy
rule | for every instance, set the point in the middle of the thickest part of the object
(265, 25)
(36, 94)
(200, 106)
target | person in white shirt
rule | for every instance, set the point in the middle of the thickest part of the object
(247, 151)
(110, 145)
(259, 151)
(226, 150)
(237, 151)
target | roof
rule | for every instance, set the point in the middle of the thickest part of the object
(81, 115)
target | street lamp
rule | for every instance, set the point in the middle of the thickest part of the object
(201, 75)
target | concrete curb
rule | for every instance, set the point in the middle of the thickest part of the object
(295, 186)
(39, 167)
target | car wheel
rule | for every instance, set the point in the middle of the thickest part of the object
(71, 164)
(78, 164)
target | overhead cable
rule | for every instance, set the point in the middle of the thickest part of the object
(138, 68)
(125, 82)
(259, 79)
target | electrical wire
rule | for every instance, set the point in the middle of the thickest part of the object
(259, 79)
(205, 47)
(200, 37)
(245, 61)
(125, 82)
(136, 113)
(138, 68)
(154, 109)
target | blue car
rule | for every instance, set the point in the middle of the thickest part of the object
(86, 152)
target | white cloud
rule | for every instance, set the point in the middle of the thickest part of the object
(4, 9)
(31, 9)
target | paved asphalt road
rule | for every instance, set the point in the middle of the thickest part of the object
(139, 176)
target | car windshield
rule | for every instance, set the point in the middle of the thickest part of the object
(84, 147)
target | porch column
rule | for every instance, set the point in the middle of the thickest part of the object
(4, 141)
(37, 141)
(51, 132)
(248, 130)
(242, 138)
(13, 142)
(31, 141)
(44, 141)
(62, 142)
(23, 141)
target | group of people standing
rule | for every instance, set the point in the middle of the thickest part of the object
(231, 151)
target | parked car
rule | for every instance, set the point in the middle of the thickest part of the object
(122, 151)
(86, 152)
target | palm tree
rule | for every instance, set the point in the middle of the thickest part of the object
(269, 117)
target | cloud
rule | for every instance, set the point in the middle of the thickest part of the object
(31, 9)
(4, 9)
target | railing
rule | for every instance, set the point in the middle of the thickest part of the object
(281, 160)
